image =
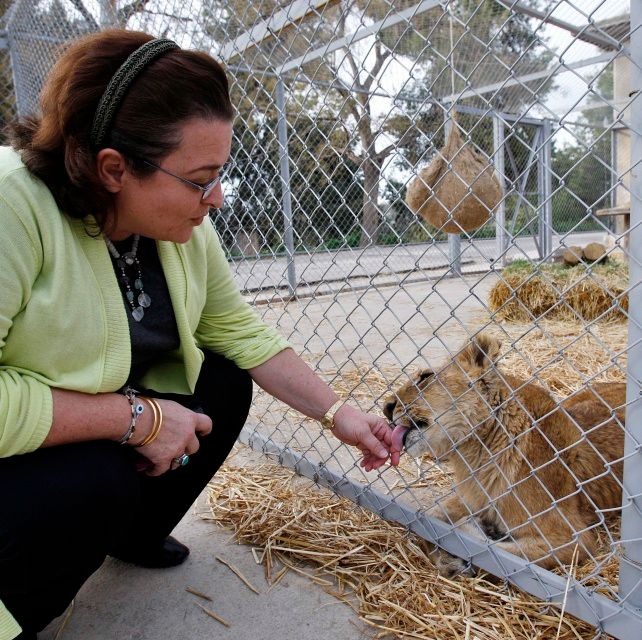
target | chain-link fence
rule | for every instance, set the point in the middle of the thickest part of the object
(509, 367)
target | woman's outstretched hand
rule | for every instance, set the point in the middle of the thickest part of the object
(369, 433)
(287, 377)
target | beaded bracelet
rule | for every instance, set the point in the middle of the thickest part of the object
(158, 422)
(136, 408)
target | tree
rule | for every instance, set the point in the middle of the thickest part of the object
(486, 38)
(41, 29)
(582, 168)
(339, 137)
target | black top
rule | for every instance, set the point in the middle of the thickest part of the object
(157, 332)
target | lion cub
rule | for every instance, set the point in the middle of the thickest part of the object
(529, 473)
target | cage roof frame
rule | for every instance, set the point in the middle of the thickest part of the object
(269, 27)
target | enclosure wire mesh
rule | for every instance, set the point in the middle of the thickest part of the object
(359, 97)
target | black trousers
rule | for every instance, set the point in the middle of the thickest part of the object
(64, 509)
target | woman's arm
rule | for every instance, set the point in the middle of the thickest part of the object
(287, 377)
(80, 417)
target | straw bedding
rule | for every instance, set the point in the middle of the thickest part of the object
(526, 291)
(380, 569)
(377, 568)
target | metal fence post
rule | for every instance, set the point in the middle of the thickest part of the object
(454, 239)
(545, 188)
(500, 211)
(108, 17)
(284, 160)
(22, 108)
(454, 252)
(613, 171)
(630, 565)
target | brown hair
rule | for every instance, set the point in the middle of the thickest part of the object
(56, 147)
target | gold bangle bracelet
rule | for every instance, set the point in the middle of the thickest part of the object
(155, 427)
(158, 422)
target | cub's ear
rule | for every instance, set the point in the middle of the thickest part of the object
(422, 376)
(481, 352)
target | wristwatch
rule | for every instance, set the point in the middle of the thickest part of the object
(327, 422)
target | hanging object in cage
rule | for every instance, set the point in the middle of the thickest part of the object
(458, 190)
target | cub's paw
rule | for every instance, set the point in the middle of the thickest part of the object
(450, 566)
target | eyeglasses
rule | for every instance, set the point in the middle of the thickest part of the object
(206, 188)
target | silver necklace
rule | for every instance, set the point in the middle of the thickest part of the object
(136, 296)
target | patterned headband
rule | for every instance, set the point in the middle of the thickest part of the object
(120, 82)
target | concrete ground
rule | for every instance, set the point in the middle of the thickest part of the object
(124, 602)
(330, 270)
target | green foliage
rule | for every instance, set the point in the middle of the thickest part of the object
(603, 87)
(582, 168)
(342, 242)
(487, 39)
(581, 178)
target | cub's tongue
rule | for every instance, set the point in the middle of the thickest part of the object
(398, 434)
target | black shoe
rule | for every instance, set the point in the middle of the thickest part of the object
(170, 554)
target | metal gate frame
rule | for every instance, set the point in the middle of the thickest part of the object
(630, 575)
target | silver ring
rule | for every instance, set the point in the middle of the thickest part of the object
(181, 461)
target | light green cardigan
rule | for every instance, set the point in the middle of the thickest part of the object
(63, 322)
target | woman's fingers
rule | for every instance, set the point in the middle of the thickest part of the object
(203, 424)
